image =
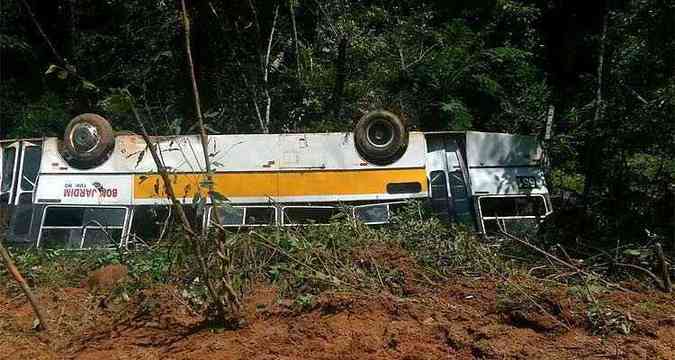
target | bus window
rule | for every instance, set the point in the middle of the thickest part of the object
(304, 215)
(8, 159)
(96, 238)
(439, 194)
(517, 213)
(64, 238)
(513, 206)
(247, 216)
(378, 213)
(230, 215)
(79, 227)
(461, 199)
(26, 199)
(260, 216)
(104, 216)
(21, 221)
(31, 166)
(372, 214)
(404, 188)
(149, 222)
(63, 216)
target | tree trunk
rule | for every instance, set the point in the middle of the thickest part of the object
(591, 147)
(195, 94)
(235, 305)
(72, 31)
(266, 73)
(298, 65)
(340, 77)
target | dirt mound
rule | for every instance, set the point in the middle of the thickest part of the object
(458, 320)
(462, 318)
(105, 278)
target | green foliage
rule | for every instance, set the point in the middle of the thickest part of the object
(604, 320)
(44, 117)
(442, 65)
(305, 302)
(67, 268)
(116, 104)
(458, 113)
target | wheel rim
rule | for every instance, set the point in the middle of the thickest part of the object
(84, 138)
(380, 133)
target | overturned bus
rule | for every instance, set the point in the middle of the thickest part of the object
(95, 188)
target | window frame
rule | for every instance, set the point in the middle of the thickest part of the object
(399, 188)
(16, 146)
(20, 175)
(128, 234)
(547, 209)
(389, 212)
(283, 213)
(244, 224)
(84, 227)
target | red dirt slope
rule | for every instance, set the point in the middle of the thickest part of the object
(458, 320)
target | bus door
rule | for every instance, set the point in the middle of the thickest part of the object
(27, 166)
(448, 178)
(437, 169)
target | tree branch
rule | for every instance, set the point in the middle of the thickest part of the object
(563, 262)
(269, 44)
(195, 94)
(65, 65)
(43, 34)
(268, 98)
(599, 107)
(24, 287)
(643, 270)
(234, 302)
(298, 65)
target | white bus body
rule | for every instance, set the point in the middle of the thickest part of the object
(269, 179)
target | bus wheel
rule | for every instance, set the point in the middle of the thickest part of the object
(88, 141)
(380, 137)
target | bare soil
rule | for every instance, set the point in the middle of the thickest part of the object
(461, 318)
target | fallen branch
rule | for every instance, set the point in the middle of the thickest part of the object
(264, 242)
(270, 246)
(645, 271)
(377, 269)
(563, 262)
(523, 292)
(24, 287)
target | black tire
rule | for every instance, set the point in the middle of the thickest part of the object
(88, 141)
(380, 137)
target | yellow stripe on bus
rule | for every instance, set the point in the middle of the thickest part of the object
(284, 183)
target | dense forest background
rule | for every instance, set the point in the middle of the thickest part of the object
(607, 67)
